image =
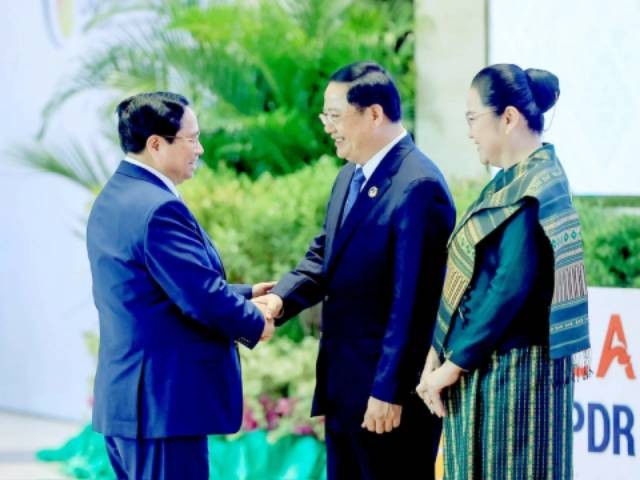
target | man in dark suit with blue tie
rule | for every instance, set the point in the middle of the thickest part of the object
(168, 368)
(377, 267)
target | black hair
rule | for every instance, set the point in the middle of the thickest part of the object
(370, 84)
(531, 91)
(146, 114)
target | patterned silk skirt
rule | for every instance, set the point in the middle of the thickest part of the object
(511, 419)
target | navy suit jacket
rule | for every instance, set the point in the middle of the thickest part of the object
(168, 363)
(379, 277)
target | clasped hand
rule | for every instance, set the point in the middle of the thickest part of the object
(435, 378)
(381, 416)
(269, 304)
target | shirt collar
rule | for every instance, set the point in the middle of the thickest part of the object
(152, 170)
(371, 165)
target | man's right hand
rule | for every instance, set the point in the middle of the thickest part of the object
(269, 325)
(268, 331)
(272, 302)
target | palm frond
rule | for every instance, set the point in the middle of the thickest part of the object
(136, 62)
(108, 12)
(73, 162)
(254, 70)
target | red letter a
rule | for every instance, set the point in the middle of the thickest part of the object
(609, 352)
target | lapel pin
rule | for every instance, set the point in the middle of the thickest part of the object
(373, 191)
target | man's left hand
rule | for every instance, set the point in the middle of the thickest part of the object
(381, 417)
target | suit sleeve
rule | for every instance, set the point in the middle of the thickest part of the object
(304, 286)
(422, 224)
(519, 252)
(242, 289)
(177, 259)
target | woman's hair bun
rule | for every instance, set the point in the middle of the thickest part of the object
(544, 86)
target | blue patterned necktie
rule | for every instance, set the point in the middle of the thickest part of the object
(354, 189)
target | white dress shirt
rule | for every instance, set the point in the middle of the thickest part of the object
(161, 176)
(370, 166)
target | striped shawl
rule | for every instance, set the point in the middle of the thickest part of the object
(541, 177)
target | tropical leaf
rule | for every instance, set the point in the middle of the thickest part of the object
(255, 71)
(73, 162)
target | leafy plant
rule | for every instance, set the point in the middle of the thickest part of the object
(86, 169)
(255, 71)
(279, 379)
(465, 192)
(263, 227)
(612, 246)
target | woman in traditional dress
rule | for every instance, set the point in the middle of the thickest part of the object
(513, 314)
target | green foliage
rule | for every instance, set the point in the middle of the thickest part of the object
(279, 379)
(464, 192)
(86, 169)
(263, 227)
(255, 71)
(612, 245)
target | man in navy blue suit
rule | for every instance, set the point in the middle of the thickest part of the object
(168, 368)
(377, 266)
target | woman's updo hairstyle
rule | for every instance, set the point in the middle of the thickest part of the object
(532, 91)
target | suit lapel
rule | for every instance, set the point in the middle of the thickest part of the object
(373, 193)
(211, 249)
(336, 205)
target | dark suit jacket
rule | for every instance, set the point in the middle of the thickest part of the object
(379, 277)
(168, 363)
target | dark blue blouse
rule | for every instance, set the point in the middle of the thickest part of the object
(507, 302)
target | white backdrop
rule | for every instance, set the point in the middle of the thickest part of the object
(606, 412)
(45, 289)
(592, 46)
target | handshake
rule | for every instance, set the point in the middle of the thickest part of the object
(269, 304)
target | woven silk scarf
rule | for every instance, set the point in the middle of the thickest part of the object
(542, 177)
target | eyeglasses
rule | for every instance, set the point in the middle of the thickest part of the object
(333, 118)
(472, 117)
(193, 140)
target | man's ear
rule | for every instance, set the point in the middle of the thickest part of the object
(153, 143)
(377, 114)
